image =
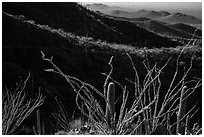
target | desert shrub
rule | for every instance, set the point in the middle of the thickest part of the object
(146, 115)
(63, 121)
(16, 107)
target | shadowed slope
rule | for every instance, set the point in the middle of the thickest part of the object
(187, 28)
(72, 17)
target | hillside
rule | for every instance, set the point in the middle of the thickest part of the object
(164, 29)
(74, 18)
(187, 28)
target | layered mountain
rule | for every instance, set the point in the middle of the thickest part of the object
(125, 12)
(161, 22)
(168, 30)
(181, 18)
(151, 14)
(74, 18)
(157, 15)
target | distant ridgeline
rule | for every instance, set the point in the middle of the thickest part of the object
(177, 26)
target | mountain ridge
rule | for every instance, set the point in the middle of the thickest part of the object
(164, 16)
(181, 18)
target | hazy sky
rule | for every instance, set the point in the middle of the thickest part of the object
(192, 8)
(159, 4)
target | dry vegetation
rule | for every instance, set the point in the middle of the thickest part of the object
(145, 116)
(16, 107)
